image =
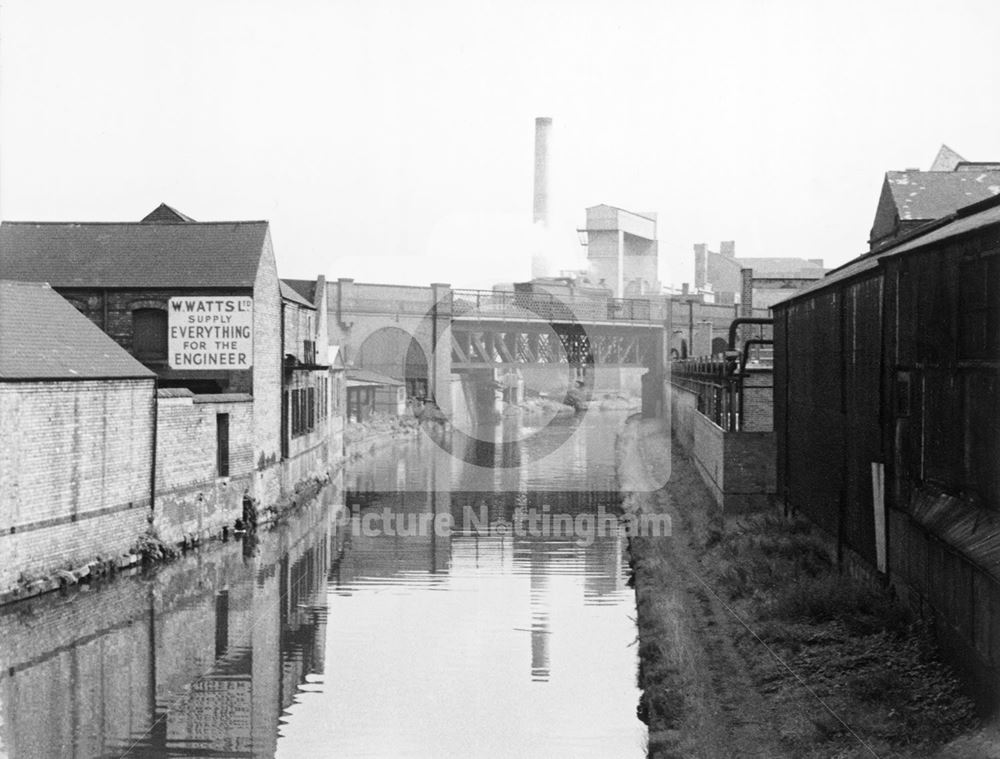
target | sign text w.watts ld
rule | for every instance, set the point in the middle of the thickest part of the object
(210, 333)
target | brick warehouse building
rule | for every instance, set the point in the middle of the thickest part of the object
(76, 455)
(886, 386)
(201, 305)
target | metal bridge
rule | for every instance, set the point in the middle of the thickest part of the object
(493, 328)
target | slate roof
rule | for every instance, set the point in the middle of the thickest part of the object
(165, 213)
(290, 293)
(43, 337)
(927, 195)
(133, 255)
(963, 221)
(304, 287)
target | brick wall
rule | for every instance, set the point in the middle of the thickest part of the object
(739, 468)
(267, 374)
(74, 479)
(191, 498)
(722, 272)
(758, 402)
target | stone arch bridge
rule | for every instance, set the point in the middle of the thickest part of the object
(432, 337)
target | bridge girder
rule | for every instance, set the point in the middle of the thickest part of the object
(479, 343)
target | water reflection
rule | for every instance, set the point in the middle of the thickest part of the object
(317, 640)
(198, 660)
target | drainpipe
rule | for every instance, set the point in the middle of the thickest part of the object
(104, 310)
(283, 427)
(152, 468)
(690, 326)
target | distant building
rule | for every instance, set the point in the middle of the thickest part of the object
(76, 456)
(622, 251)
(773, 278)
(912, 198)
(369, 392)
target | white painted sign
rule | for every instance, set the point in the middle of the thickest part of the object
(210, 332)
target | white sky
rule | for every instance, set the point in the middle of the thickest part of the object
(393, 141)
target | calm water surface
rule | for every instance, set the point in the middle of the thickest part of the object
(320, 639)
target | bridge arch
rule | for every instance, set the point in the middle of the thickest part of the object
(398, 354)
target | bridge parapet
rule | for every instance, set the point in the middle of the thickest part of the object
(546, 307)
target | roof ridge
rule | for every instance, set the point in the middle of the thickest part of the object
(642, 215)
(145, 225)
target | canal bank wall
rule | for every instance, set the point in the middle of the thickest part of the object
(124, 479)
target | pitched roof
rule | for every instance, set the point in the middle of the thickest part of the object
(304, 287)
(289, 293)
(166, 213)
(946, 160)
(42, 336)
(927, 195)
(134, 255)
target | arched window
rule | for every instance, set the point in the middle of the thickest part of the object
(149, 334)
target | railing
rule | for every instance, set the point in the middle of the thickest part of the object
(717, 385)
(549, 307)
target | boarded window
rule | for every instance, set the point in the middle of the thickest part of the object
(149, 334)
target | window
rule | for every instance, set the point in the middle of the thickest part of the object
(222, 445)
(360, 403)
(149, 334)
(303, 410)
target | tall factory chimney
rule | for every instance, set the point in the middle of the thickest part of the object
(540, 264)
(543, 137)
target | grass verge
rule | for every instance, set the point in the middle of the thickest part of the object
(834, 638)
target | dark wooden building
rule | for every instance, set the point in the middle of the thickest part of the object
(888, 422)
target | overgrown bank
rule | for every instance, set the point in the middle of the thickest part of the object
(752, 644)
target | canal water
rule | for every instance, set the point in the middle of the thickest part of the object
(462, 597)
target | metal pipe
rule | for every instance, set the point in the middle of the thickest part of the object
(744, 320)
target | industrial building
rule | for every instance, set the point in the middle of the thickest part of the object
(622, 251)
(722, 275)
(243, 397)
(886, 383)
(912, 198)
